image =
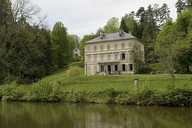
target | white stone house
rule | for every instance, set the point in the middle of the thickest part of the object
(114, 53)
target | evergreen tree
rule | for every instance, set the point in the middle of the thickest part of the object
(6, 16)
(123, 25)
(129, 24)
(60, 45)
(180, 5)
(174, 44)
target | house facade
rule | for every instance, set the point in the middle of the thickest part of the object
(115, 53)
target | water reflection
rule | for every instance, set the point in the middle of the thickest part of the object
(26, 115)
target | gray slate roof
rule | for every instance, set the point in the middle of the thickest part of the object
(112, 37)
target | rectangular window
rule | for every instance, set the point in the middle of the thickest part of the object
(101, 57)
(116, 56)
(108, 47)
(116, 46)
(122, 46)
(95, 48)
(102, 68)
(101, 48)
(131, 67)
(95, 58)
(109, 57)
(123, 68)
(123, 56)
(116, 68)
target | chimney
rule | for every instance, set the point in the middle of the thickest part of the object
(121, 33)
(102, 35)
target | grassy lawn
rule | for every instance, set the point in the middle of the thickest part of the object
(151, 90)
(121, 83)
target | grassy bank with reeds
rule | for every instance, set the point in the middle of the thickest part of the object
(72, 86)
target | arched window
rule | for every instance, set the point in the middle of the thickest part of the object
(123, 56)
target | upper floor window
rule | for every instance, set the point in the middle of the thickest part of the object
(95, 58)
(108, 47)
(102, 57)
(88, 58)
(109, 57)
(101, 47)
(116, 46)
(95, 48)
(123, 56)
(123, 45)
(116, 56)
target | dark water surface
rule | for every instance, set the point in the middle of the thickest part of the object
(27, 115)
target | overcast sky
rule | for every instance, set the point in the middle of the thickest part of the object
(86, 16)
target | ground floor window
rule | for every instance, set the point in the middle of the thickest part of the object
(123, 68)
(109, 68)
(116, 68)
(131, 67)
(102, 68)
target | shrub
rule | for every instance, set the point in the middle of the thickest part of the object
(45, 92)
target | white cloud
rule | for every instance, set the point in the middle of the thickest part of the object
(86, 16)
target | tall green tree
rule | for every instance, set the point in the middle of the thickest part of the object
(6, 15)
(148, 27)
(6, 21)
(166, 47)
(184, 41)
(73, 41)
(174, 44)
(129, 24)
(180, 5)
(60, 45)
(112, 25)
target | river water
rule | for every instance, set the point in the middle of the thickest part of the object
(28, 115)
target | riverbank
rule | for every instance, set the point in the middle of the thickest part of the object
(151, 90)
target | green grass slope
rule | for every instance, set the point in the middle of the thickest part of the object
(72, 86)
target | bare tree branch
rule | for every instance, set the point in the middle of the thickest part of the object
(24, 9)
